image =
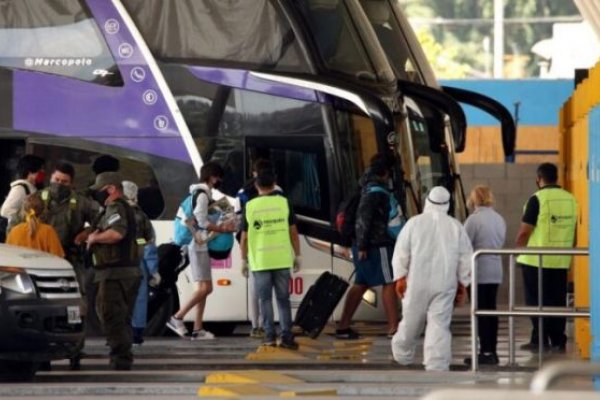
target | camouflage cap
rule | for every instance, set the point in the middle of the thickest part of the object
(107, 178)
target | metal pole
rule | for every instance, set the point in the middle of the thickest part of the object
(513, 311)
(474, 326)
(540, 319)
(511, 306)
(498, 39)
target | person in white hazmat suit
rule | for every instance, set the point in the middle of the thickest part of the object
(431, 265)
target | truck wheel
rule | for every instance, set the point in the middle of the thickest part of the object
(17, 371)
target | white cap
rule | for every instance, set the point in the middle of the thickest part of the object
(130, 191)
(439, 195)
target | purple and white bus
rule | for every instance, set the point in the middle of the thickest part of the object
(167, 85)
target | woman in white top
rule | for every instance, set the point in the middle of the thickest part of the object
(486, 229)
(30, 174)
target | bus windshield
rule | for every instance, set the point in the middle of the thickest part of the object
(393, 40)
(344, 40)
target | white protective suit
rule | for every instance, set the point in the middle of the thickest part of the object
(434, 252)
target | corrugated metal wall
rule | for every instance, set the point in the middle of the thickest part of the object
(579, 148)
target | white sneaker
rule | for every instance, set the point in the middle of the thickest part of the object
(202, 335)
(177, 326)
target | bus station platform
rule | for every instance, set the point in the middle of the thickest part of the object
(237, 366)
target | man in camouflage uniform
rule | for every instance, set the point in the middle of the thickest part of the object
(67, 212)
(116, 260)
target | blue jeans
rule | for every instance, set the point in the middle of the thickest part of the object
(265, 282)
(148, 266)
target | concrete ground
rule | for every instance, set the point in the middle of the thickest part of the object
(173, 368)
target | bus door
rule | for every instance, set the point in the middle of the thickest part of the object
(493, 108)
(434, 125)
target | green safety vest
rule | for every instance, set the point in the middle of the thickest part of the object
(269, 243)
(555, 227)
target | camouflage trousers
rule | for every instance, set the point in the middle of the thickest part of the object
(114, 305)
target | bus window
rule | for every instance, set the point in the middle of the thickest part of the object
(238, 33)
(356, 143)
(392, 39)
(301, 170)
(344, 45)
(150, 196)
(219, 117)
(56, 37)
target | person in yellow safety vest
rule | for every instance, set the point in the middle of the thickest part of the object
(549, 220)
(270, 247)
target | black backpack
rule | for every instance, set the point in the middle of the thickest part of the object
(346, 218)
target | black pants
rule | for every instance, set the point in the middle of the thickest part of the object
(488, 326)
(554, 285)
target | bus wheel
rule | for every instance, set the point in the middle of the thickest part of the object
(156, 325)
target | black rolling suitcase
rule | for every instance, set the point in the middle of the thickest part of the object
(319, 302)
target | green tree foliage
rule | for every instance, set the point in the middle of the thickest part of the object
(467, 24)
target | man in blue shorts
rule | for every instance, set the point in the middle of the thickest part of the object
(372, 251)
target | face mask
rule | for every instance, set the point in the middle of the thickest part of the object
(58, 191)
(100, 196)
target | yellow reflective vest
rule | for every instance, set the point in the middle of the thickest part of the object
(269, 243)
(555, 227)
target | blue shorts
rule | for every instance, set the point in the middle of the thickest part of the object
(376, 269)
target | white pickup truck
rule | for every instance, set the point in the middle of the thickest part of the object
(40, 311)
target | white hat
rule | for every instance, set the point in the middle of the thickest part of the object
(130, 191)
(439, 195)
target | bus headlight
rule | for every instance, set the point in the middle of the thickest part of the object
(16, 280)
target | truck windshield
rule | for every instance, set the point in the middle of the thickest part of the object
(383, 18)
(344, 39)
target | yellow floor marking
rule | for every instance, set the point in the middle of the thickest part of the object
(306, 341)
(235, 391)
(276, 354)
(250, 377)
(301, 349)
